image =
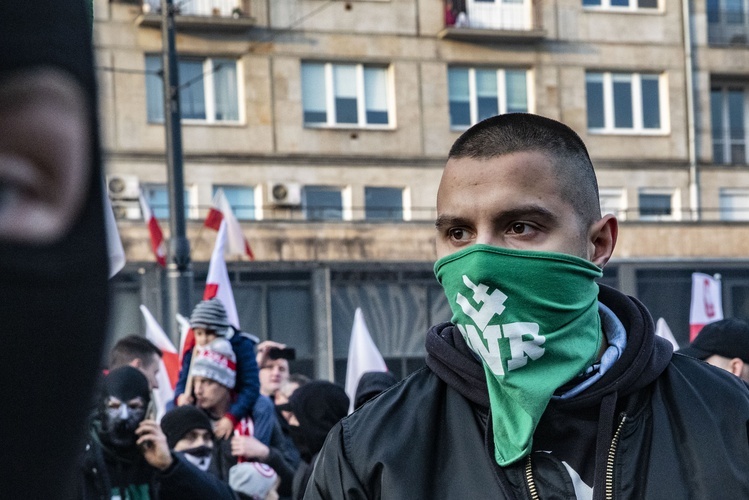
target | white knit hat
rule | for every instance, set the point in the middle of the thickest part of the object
(253, 479)
(216, 361)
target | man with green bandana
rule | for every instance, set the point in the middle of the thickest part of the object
(544, 384)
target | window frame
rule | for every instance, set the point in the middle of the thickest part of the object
(345, 192)
(632, 7)
(727, 142)
(255, 195)
(742, 213)
(608, 79)
(209, 93)
(361, 107)
(615, 192)
(673, 193)
(191, 210)
(501, 92)
(402, 209)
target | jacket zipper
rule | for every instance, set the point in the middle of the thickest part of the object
(529, 479)
(610, 461)
(609, 466)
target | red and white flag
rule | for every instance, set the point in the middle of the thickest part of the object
(217, 285)
(157, 237)
(169, 372)
(707, 303)
(236, 243)
(363, 356)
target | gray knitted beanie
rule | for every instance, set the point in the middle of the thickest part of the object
(211, 315)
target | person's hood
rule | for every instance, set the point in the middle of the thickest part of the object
(644, 358)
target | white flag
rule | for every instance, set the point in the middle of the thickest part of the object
(363, 356)
(662, 330)
(169, 370)
(217, 284)
(114, 243)
(707, 303)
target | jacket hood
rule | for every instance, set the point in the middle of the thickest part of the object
(644, 358)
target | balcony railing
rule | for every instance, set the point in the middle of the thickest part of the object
(493, 15)
(727, 27)
(217, 8)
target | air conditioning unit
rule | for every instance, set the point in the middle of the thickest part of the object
(123, 187)
(127, 210)
(284, 193)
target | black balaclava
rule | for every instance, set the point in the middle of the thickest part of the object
(53, 297)
(118, 424)
(318, 406)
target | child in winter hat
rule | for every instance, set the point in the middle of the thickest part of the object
(209, 322)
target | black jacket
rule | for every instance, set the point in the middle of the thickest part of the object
(102, 470)
(656, 425)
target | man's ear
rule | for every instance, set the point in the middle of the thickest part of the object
(736, 366)
(136, 363)
(602, 239)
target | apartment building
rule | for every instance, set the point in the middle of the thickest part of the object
(326, 123)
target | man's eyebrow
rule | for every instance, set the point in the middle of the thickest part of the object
(444, 221)
(531, 210)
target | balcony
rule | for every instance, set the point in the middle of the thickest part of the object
(727, 27)
(491, 20)
(225, 15)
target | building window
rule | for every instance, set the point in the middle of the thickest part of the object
(383, 203)
(241, 199)
(157, 197)
(727, 22)
(624, 102)
(354, 95)
(209, 90)
(621, 4)
(322, 203)
(734, 204)
(476, 94)
(729, 131)
(613, 201)
(658, 204)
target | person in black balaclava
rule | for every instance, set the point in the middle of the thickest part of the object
(128, 455)
(53, 260)
(113, 463)
(315, 408)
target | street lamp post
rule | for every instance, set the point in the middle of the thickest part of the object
(179, 269)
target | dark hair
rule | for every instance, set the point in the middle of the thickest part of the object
(521, 132)
(132, 347)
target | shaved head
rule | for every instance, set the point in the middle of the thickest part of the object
(524, 132)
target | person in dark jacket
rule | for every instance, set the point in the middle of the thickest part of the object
(127, 455)
(314, 409)
(544, 384)
(53, 253)
(372, 384)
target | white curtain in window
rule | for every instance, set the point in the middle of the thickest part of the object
(517, 91)
(154, 90)
(375, 89)
(344, 80)
(313, 87)
(225, 88)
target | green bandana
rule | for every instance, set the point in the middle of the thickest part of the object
(532, 317)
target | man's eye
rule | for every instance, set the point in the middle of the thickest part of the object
(457, 234)
(519, 228)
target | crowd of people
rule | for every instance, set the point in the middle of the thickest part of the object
(242, 426)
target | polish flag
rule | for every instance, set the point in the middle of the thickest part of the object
(217, 285)
(707, 303)
(169, 372)
(662, 330)
(363, 356)
(157, 237)
(221, 211)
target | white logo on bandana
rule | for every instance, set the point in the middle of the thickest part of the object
(493, 304)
